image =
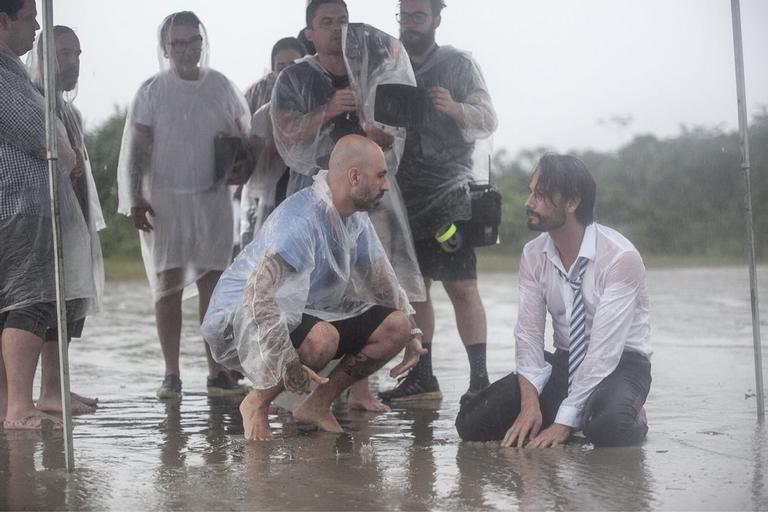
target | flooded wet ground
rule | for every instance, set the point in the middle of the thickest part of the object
(705, 450)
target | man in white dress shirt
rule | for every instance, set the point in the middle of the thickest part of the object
(591, 280)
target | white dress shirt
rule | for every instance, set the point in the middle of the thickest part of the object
(615, 301)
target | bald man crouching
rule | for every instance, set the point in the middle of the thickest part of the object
(315, 285)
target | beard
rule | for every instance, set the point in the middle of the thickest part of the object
(417, 43)
(68, 80)
(367, 202)
(546, 223)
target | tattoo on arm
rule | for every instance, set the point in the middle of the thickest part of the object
(141, 152)
(264, 281)
(387, 290)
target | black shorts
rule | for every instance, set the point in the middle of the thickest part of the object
(439, 265)
(34, 318)
(353, 332)
(40, 319)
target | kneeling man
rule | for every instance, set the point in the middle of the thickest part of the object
(314, 285)
(591, 280)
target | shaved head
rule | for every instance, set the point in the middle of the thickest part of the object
(353, 151)
(357, 174)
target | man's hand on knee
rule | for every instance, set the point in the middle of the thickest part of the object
(554, 435)
(525, 427)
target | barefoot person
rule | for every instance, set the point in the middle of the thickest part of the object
(68, 51)
(27, 284)
(325, 96)
(315, 285)
(591, 280)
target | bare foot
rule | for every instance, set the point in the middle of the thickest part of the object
(32, 420)
(76, 406)
(321, 417)
(363, 400)
(255, 410)
(91, 402)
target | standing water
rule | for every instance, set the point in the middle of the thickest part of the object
(704, 451)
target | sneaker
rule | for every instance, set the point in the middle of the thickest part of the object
(412, 388)
(170, 388)
(225, 385)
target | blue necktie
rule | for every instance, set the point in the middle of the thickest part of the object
(577, 333)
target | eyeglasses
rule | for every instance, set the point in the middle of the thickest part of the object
(418, 18)
(180, 45)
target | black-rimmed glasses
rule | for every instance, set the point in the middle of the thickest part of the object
(180, 45)
(418, 18)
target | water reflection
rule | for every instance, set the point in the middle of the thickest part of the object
(566, 478)
(138, 453)
(759, 491)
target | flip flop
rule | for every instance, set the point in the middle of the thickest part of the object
(39, 421)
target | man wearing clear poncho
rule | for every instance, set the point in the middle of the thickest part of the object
(27, 287)
(331, 94)
(171, 186)
(313, 286)
(435, 173)
(67, 46)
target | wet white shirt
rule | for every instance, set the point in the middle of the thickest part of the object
(615, 301)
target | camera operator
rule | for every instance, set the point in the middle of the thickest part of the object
(434, 177)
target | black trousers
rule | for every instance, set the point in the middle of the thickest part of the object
(610, 417)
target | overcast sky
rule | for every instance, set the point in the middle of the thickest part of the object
(557, 69)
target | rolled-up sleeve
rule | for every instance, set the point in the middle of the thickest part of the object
(529, 331)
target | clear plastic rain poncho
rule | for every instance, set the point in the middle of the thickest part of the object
(26, 240)
(306, 259)
(443, 156)
(83, 184)
(259, 193)
(301, 94)
(168, 159)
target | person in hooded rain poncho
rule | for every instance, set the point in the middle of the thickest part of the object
(27, 282)
(68, 51)
(314, 285)
(331, 94)
(172, 181)
(435, 174)
(268, 183)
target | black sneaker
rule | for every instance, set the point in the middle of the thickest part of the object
(225, 385)
(170, 388)
(412, 388)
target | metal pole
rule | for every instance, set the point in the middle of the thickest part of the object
(49, 72)
(745, 167)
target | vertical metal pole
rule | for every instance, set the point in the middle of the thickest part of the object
(49, 72)
(745, 167)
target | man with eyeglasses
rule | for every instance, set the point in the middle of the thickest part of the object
(434, 176)
(314, 104)
(171, 187)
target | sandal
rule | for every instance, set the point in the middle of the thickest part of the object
(40, 421)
